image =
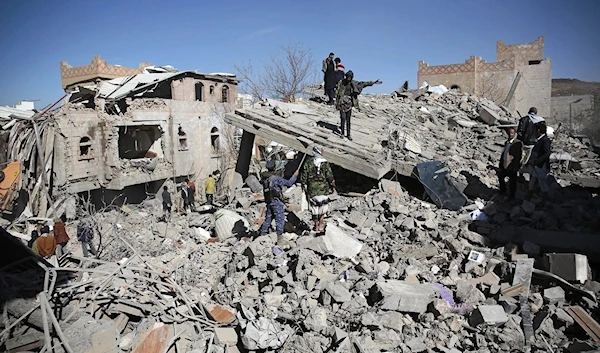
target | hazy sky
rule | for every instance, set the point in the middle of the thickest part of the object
(376, 39)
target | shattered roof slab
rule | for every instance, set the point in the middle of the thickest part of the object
(6, 112)
(123, 86)
(303, 131)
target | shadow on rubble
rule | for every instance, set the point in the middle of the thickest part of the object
(567, 221)
(329, 126)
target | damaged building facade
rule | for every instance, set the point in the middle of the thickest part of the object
(520, 78)
(142, 128)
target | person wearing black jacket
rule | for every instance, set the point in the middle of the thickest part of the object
(526, 133)
(540, 159)
(510, 162)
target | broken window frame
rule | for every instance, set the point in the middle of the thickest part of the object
(86, 144)
(212, 89)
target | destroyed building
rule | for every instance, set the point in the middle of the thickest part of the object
(128, 133)
(519, 78)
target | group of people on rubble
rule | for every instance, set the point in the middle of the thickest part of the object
(50, 242)
(527, 151)
(342, 90)
(317, 181)
(188, 195)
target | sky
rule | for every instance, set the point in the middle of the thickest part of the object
(378, 39)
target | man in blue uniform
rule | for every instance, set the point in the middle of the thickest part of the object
(272, 185)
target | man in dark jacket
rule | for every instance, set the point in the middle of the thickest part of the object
(525, 131)
(272, 185)
(510, 162)
(540, 159)
(85, 234)
(339, 70)
(329, 77)
(167, 204)
(346, 97)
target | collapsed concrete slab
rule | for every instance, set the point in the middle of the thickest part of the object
(336, 242)
(403, 296)
(571, 267)
(488, 314)
(435, 177)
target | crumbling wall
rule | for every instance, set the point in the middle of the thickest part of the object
(535, 88)
(522, 53)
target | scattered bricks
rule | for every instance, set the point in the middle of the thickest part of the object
(226, 336)
(403, 296)
(528, 207)
(570, 267)
(554, 295)
(338, 292)
(489, 314)
(489, 278)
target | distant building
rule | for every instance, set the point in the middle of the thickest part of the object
(520, 65)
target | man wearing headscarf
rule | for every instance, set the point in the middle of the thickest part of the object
(61, 236)
(272, 184)
(317, 179)
(45, 244)
(346, 97)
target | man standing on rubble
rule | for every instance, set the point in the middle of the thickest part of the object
(317, 179)
(346, 97)
(191, 194)
(60, 235)
(540, 160)
(166, 202)
(510, 162)
(85, 234)
(272, 185)
(526, 133)
(329, 77)
(209, 189)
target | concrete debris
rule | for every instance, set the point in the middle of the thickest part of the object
(433, 260)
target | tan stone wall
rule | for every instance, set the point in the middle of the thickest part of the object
(562, 109)
(523, 53)
(97, 68)
(185, 90)
(534, 89)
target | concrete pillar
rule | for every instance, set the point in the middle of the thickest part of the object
(245, 154)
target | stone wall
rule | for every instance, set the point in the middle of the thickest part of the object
(97, 68)
(494, 80)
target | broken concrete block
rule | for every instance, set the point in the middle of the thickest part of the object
(226, 336)
(488, 115)
(523, 273)
(554, 295)
(488, 314)
(570, 267)
(336, 242)
(467, 293)
(28, 342)
(338, 292)
(121, 322)
(473, 237)
(229, 224)
(155, 340)
(357, 218)
(129, 310)
(254, 184)
(403, 296)
(392, 187)
(339, 334)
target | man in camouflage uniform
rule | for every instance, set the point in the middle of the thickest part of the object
(346, 97)
(317, 178)
(272, 183)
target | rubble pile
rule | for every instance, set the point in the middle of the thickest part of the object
(391, 273)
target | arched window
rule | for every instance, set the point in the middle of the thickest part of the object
(85, 148)
(212, 89)
(214, 140)
(225, 94)
(199, 91)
